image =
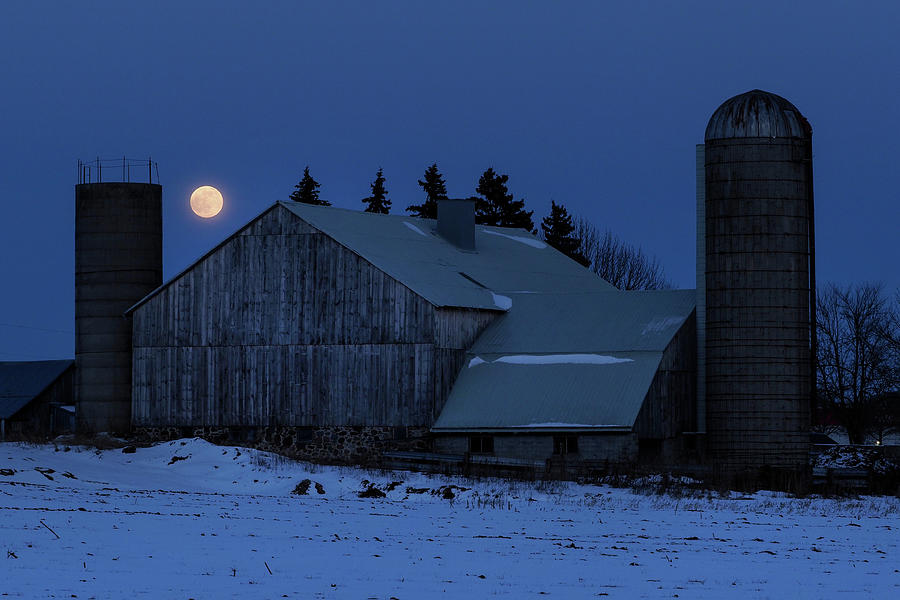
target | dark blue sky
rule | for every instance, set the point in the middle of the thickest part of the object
(591, 104)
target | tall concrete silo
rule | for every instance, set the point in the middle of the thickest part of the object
(118, 261)
(759, 283)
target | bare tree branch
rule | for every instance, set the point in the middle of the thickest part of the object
(857, 363)
(621, 264)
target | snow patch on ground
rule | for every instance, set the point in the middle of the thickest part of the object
(476, 361)
(518, 238)
(189, 519)
(414, 228)
(855, 457)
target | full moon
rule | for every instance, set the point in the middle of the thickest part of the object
(206, 201)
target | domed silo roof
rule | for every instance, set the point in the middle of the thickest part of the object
(757, 114)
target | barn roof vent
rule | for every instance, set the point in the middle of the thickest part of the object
(456, 221)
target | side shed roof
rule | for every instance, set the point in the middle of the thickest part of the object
(613, 321)
(570, 362)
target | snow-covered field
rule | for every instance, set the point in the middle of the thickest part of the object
(187, 519)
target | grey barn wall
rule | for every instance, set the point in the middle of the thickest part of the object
(281, 325)
(670, 407)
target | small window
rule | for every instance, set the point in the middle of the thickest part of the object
(649, 450)
(565, 444)
(481, 444)
(690, 442)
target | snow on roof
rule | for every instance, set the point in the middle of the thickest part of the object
(414, 228)
(553, 359)
(528, 241)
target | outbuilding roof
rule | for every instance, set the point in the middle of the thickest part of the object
(22, 382)
(566, 362)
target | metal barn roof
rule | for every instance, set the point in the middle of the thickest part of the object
(21, 382)
(496, 395)
(505, 260)
(611, 321)
(566, 362)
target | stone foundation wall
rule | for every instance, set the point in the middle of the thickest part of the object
(339, 444)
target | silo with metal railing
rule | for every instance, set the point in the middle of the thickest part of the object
(759, 283)
(118, 260)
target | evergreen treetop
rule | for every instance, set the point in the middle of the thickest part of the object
(307, 191)
(378, 202)
(435, 188)
(559, 232)
(497, 206)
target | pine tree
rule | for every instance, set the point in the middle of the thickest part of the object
(307, 191)
(435, 188)
(378, 202)
(559, 232)
(496, 205)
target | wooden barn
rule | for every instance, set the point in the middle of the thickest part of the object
(337, 334)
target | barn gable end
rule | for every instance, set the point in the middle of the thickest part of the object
(281, 325)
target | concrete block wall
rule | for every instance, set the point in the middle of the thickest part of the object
(620, 448)
(118, 260)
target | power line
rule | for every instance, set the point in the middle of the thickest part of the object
(36, 356)
(66, 331)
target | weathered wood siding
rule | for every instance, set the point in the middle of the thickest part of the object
(281, 325)
(458, 327)
(670, 405)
